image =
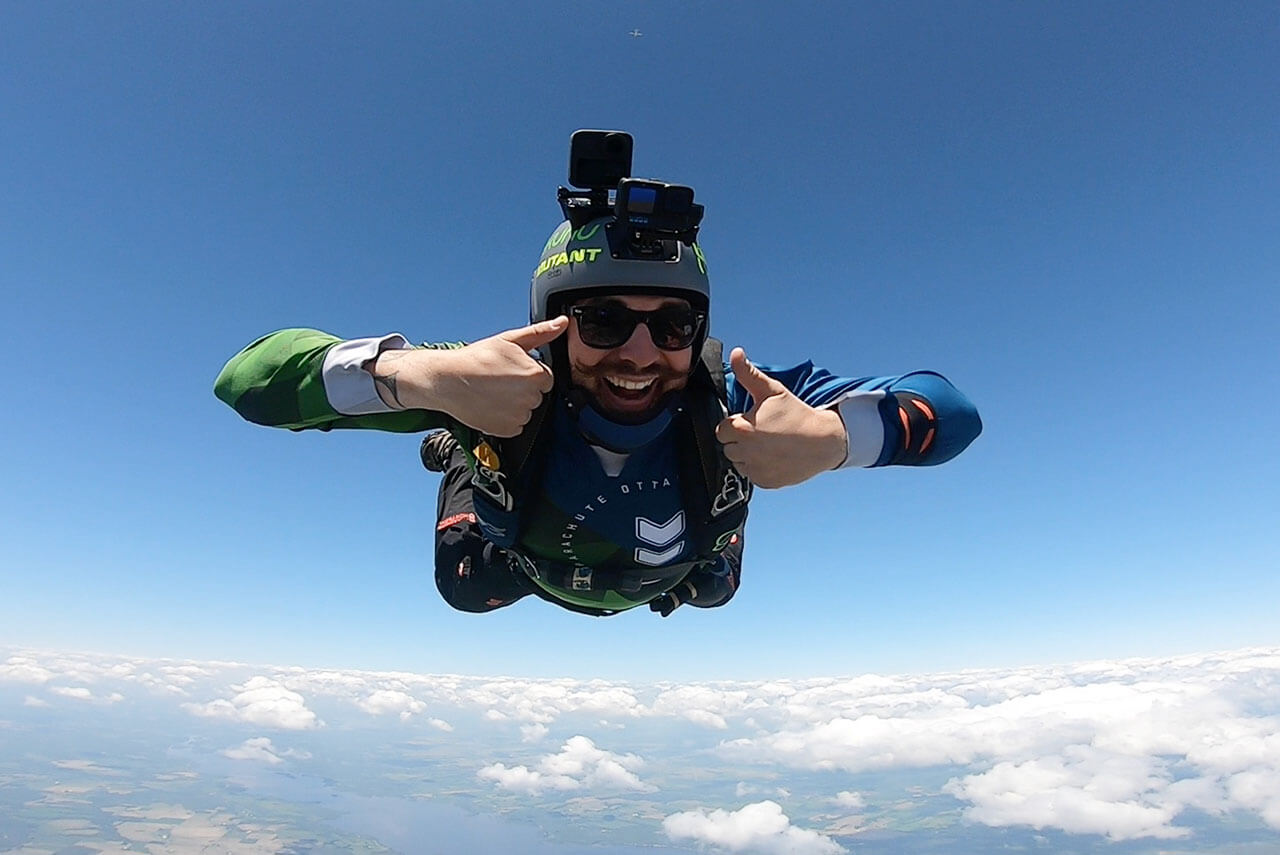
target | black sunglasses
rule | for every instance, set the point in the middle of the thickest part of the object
(605, 326)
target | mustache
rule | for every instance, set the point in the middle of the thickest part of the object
(629, 371)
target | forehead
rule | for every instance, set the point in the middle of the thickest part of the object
(639, 302)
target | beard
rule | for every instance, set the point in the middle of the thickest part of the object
(627, 406)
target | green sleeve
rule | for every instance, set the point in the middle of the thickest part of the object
(278, 381)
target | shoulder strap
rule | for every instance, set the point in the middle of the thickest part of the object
(713, 359)
(502, 463)
(723, 488)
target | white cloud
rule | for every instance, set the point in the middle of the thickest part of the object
(264, 702)
(185, 674)
(24, 669)
(761, 827)
(579, 764)
(851, 800)
(706, 718)
(1258, 790)
(533, 732)
(386, 701)
(83, 693)
(441, 724)
(30, 701)
(160, 683)
(259, 749)
(704, 705)
(1083, 791)
(521, 779)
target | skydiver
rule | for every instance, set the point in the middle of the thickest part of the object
(603, 456)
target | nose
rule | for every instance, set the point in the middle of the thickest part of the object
(639, 348)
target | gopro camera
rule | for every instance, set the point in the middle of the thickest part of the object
(598, 160)
(657, 208)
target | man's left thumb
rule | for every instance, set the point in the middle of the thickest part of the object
(755, 381)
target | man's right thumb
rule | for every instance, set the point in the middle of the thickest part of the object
(536, 335)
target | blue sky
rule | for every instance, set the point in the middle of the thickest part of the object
(1070, 211)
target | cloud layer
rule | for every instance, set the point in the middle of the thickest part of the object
(1117, 749)
(1125, 749)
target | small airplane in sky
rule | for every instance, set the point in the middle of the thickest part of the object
(635, 34)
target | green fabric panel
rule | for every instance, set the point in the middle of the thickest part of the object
(544, 525)
(401, 421)
(611, 600)
(278, 381)
(264, 382)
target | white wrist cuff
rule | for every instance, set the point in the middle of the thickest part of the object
(863, 428)
(347, 385)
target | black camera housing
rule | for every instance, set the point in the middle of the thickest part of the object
(657, 209)
(598, 160)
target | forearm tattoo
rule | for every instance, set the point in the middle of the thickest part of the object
(387, 378)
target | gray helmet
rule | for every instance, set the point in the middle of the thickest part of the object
(581, 260)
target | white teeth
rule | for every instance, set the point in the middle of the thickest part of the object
(634, 385)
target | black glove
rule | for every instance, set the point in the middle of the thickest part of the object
(664, 604)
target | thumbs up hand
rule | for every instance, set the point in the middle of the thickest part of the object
(492, 385)
(781, 440)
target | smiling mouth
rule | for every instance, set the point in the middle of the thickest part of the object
(630, 388)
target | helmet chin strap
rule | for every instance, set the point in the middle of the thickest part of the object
(596, 427)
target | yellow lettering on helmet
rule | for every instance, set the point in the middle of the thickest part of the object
(578, 256)
(560, 235)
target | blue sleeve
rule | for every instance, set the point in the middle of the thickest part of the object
(954, 420)
(940, 425)
(817, 387)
